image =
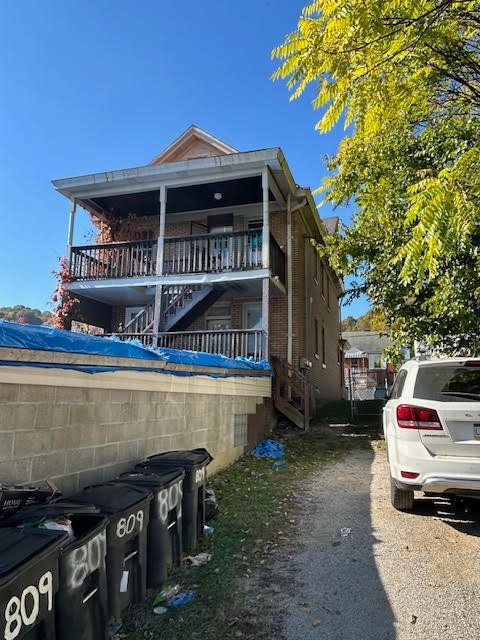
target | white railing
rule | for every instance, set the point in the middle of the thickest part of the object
(247, 343)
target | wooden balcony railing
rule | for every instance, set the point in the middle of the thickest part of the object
(114, 260)
(247, 343)
(236, 251)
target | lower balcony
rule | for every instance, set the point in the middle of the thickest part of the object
(232, 343)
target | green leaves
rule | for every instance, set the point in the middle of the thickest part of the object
(405, 77)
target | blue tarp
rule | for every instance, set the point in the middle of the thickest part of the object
(27, 336)
(269, 449)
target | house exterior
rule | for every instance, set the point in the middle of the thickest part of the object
(365, 366)
(211, 249)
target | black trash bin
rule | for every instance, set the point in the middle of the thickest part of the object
(127, 508)
(28, 582)
(82, 593)
(164, 535)
(194, 462)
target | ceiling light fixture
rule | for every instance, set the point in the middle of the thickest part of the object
(218, 195)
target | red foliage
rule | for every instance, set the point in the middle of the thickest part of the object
(66, 303)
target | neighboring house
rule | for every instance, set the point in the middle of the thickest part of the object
(212, 249)
(365, 366)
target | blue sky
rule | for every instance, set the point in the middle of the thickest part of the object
(99, 85)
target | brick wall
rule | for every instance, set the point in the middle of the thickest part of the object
(178, 229)
(79, 428)
(299, 283)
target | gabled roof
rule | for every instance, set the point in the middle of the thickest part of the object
(367, 341)
(331, 223)
(193, 143)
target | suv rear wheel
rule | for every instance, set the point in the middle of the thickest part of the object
(402, 499)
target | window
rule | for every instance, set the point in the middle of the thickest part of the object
(253, 320)
(315, 337)
(321, 275)
(240, 429)
(398, 384)
(324, 358)
(219, 342)
(376, 361)
(255, 242)
(448, 383)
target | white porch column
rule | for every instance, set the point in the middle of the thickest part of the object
(265, 262)
(159, 270)
(266, 221)
(265, 316)
(161, 229)
(71, 223)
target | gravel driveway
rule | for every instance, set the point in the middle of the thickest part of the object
(391, 575)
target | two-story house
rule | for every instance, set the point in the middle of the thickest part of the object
(211, 249)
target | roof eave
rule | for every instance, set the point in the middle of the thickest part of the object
(150, 176)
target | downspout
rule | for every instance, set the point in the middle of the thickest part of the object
(290, 210)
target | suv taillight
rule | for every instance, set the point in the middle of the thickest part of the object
(411, 417)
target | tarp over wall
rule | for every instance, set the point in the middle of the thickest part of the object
(27, 336)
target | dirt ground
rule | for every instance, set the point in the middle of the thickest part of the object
(349, 567)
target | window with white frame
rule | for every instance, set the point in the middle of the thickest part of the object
(376, 361)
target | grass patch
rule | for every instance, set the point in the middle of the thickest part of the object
(255, 499)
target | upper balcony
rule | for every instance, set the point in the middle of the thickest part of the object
(236, 251)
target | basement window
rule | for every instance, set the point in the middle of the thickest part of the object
(240, 424)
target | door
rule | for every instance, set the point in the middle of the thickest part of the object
(219, 342)
(130, 314)
(253, 320)
(222, 247)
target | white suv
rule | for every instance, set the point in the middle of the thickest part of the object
(431, 423)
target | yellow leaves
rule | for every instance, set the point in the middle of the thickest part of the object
(444, 213)
(389, 69)
(331, 115)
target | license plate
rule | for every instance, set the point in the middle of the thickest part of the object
(476, 431)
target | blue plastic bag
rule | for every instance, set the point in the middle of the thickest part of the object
(269, 449)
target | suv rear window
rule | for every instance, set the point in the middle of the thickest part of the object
(448, 383)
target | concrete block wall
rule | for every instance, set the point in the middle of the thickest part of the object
(77, 428)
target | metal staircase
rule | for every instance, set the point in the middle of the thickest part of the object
(178, 301)
(142, 323)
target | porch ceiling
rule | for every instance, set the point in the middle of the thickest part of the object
(197, 178)
(197, 197)
(130, 294)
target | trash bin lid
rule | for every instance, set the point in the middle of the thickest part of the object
(18, 546)
(52, 509)
(186, 459)
(112, 497)
(157, 479)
